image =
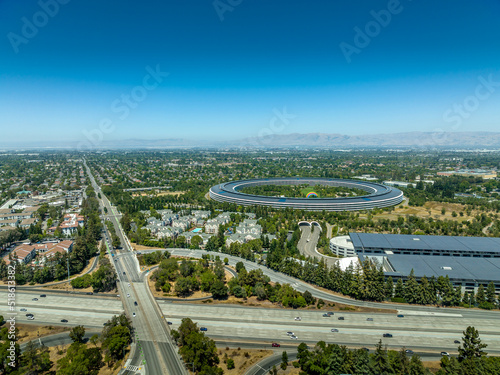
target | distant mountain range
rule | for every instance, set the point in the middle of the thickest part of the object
(426, 140)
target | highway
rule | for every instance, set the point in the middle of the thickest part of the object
(159, 355)
(428, 333)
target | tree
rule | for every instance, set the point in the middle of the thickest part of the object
(480, 297)
(284, 361)
(94, 339)
(230, 364)
(35, 359)
(218, 290)
(77, 333)
(240, 266)
(389, 288)
(416, 366)
(380, 361)
(471, 345)
(490, 293)
(399, 290)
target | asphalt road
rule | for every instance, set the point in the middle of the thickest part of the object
(308, 242)
(428, 333)
(158, 355)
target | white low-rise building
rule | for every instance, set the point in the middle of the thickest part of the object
(342, 246)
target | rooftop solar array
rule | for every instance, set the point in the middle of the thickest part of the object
(479, 269)
(421, 242)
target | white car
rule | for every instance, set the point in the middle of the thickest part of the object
(128, 295)
(129, 285)
(31, 317)
(293, 337)
(298, 318)
(133, 314)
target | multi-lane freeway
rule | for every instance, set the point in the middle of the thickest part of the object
(158, 354)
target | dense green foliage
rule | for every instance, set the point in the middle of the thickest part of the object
(197, 349)
(301, 191)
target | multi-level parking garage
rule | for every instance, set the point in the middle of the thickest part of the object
(377, 196)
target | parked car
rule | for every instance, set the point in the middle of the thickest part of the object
(275, 345)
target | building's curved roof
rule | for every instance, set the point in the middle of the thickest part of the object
(377, 195)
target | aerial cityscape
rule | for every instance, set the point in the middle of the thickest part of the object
(232, 187)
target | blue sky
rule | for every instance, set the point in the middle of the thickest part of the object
(230, 69)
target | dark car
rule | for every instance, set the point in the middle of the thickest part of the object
(456, 342)
(369, 319)
(90, 293)
(29, 314)
(401, 316)
(124, 273)
(135, 303)
(409, 351)
(34, 299)
(43, 295)
(340, 318)
(387, 335)
(365, 349)
(203, 329)
(64, 320)
(335, 330)
(169, 323)
(330, 313)
(326, 315)
(275, 345)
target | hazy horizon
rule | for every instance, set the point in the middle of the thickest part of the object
(94, 72)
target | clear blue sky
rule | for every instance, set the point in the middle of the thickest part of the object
(226, 76)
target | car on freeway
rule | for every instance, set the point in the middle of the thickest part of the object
(369, 319)
(456, 342)
(326, 316)
(340, 318)
(124, 273)
(289, 333)
(169, 323)
(275, 345)
(64, 320)
(445, 354)
(138, 253)
(365, 349)
(298, 318)
(401, 316)
(387, 335)
(90, 293)
(23, 309)
(409, 351)
(43, 295)
(129, 285)
(133, 314)
(293, 337)
(135, 303)
(335, 330)
(29, 314)
(204, 329)
(330, 313)
(35, 299)
(128, 295)
(31, 317)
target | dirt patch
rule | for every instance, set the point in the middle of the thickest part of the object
(28, 332)
(430, 209)
(176, 193)
(243, 359)
(433, 366)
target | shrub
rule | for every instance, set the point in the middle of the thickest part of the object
(230, 364)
